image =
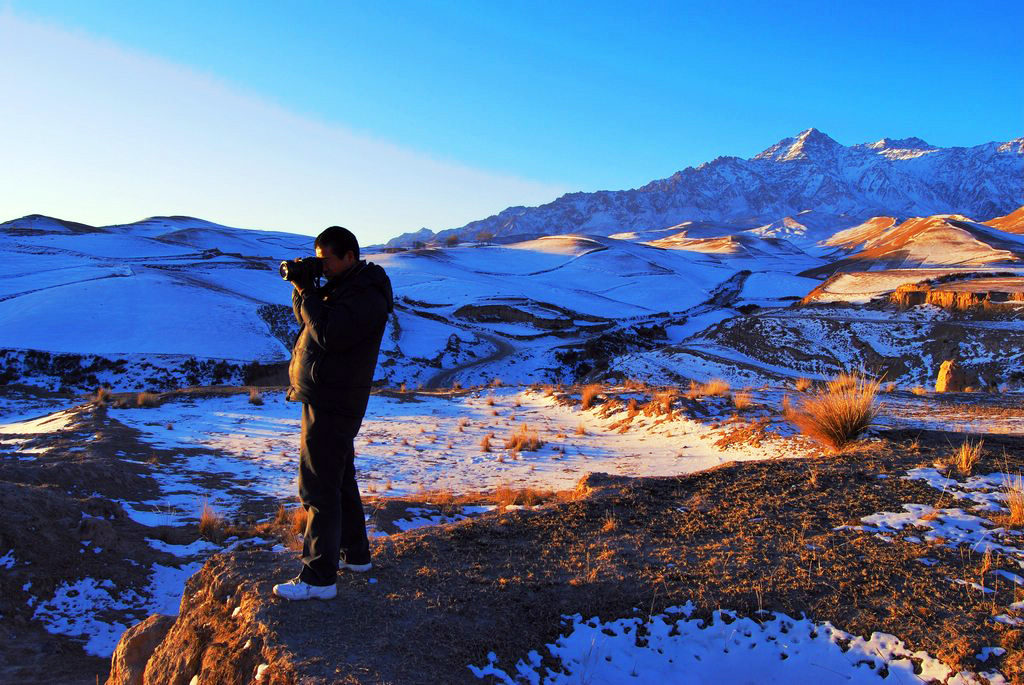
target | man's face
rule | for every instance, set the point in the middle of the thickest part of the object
(333, 264)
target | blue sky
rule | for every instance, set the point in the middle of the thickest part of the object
(482, 104)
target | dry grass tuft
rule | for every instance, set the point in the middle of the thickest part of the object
(524, 440)
(844, 381)
(836, 415)
(496, 383)
(919, 390)
(255, 397)
(610, 523)
(1013, 492)
(461, 425)
(506, 495)
(102, 396)
(581, 429)
(742, 400)
(665, 400)
(803, 384)
(299, 516)
(589, 394)
(633, 407)
(211, 524)
(147, 399)
(889, 387)
(716, 387)
(967, 455)
(485, 442)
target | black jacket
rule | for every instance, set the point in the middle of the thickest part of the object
(335, 353)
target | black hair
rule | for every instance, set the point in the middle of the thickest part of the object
(339, 239)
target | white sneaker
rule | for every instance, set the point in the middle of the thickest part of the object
(295, 590)
(358, 568)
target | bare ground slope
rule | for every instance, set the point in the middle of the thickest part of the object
(739, 536)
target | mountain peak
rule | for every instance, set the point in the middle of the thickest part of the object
(808, 144)
(911, 143)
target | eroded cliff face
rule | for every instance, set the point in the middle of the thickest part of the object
(221, 634)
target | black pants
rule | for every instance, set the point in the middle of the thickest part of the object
(327, 487)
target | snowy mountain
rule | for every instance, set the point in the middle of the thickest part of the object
(841, 185)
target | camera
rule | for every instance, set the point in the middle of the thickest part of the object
(305, 269)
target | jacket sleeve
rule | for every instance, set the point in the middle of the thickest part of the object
(338, 326)
(297, 304)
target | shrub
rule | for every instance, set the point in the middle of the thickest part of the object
(147, 399)
(255, 397)
(845, 380)
(610, 523)
(211, 524)
(1013, 492)
(665, 400)
(524, 439)
(837, 415)
(102, 395)
(918, 390)
(742, 400)
(716, 387)
(505, 495)
(803, 384)
(590, 392)
(967, 455)
(299, 516)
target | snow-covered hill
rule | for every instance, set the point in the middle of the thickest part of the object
(171, 295)
(841, 185)
(174, 301)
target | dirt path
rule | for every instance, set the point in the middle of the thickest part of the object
(443, 379)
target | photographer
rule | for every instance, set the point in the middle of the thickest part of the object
(331, 372)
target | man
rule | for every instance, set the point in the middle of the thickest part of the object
(331, 372)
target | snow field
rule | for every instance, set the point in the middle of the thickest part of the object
(673, 648)
(412, 443)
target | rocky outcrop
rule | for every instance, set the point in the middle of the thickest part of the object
(952, 377)
(952, 298)
(221, 634)
(128, 664)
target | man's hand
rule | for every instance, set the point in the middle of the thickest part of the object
(303, 285)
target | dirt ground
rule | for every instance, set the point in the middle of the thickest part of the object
(744, 537)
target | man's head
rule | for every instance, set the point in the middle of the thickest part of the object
(338, 248)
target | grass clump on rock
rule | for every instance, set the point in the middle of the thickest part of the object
(839, 413)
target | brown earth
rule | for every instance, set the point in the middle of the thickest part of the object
(744, 537)
(58, 509)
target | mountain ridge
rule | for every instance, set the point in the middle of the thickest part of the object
(810, 171)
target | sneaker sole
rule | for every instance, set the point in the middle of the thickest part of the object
(358, 568)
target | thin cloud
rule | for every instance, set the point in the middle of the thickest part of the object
(101, 134)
